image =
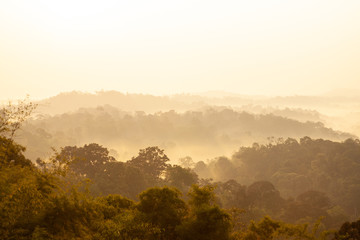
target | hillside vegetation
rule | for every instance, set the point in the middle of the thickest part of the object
(202, 134)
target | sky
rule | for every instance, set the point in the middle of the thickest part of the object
(260, 47)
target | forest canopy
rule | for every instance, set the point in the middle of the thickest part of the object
(284, 189)
(202, 134)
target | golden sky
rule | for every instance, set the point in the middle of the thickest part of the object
(269, 47)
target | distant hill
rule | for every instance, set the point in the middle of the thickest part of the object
(71, 101)
(200, 134)
(336, 110)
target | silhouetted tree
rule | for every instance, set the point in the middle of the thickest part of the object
(163, 208)
(206, 220)
(349, 231)
(87, 160)
(181, 178)
(152, 161)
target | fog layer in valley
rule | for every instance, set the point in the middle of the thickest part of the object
(201, 126)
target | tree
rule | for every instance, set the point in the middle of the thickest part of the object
(119, 178)
(268, 229)
(187, 162)
(348, 231)
(152, 161)
(314, 199)
(200, 196)
(265, 229)
(308, 205)
(206, 220)
(264, 195)
(87, 160)
(71, 215)
(163, 208)
(12, 153)
(114, 204)
(232, 194)
(181, 178)
(25, 195)
(12, 116)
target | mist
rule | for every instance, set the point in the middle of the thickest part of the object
(201, 126)
(181, 120)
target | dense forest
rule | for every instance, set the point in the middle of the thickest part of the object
(179, 120)
(285, 189)
(202, 134)
(338, 109)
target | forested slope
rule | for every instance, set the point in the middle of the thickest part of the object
(293, 189)
(202, 134)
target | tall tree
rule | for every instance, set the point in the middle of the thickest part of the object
(163, 208)
(152, 161)
(206, 220)
(181, 178)
(87, 160)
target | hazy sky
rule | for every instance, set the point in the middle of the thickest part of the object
(164, 47)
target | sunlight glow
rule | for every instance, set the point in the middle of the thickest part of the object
(165, 47)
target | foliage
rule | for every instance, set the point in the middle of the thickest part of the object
(201, 134)
(47, 202)
(87, 159)
(163, 208)
(152, 161)
(24, 197)
(268, 228)
(13, 116)
(206, 220)
(312, 175)
(12, 153)
(349, 231)
(181, 178)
